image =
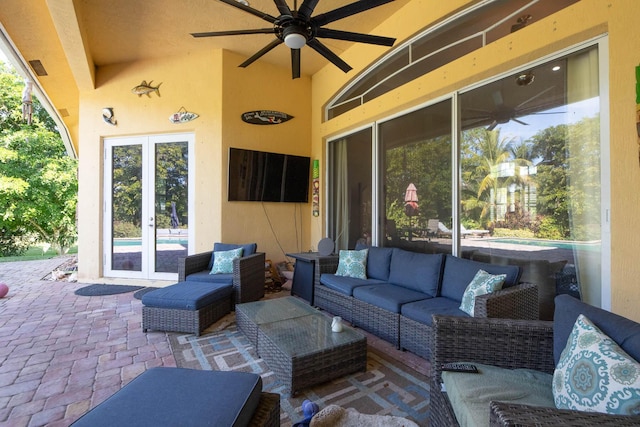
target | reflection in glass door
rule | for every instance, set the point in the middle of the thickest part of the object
(146, 209)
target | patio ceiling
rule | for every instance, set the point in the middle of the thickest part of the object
(73, 38)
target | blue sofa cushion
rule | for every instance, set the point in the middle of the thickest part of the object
(625, 332)
(459, 272)
(180, 397)
(249, 249)
(345, 285)
(421, 311)
(187, 295)
(417, 271)
(378, 261)
(388, 297)
(205, 277)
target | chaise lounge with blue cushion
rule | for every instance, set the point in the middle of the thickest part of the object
(210, 285)
(165, 396)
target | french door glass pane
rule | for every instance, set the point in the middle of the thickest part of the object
(416, 179)
(126, 239)
(171, 203)
(530, 169)
(351, 178)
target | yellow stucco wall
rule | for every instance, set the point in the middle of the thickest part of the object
(577, 24)
(195, 81)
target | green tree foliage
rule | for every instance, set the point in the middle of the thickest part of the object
(568, 179)
(426, 164)
(38, 180)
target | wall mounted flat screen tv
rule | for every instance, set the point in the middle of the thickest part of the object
(259, 176)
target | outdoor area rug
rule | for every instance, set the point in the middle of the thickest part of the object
(100, 289)
(387, 388)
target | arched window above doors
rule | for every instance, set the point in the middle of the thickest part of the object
(446, 40)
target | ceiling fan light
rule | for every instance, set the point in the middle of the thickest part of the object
(525, 79)
(295, 40)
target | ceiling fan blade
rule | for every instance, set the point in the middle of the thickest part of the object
(295, 63)
(261, 52)
(324, 51)
(306, 9)
(498, 101)
(348, 10)
(354, 37)
(493, 125)
(234, 32)
(539, 94)
(251, 10)
(283, 7)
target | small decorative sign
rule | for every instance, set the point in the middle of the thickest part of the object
(265, 117)
(182, 116)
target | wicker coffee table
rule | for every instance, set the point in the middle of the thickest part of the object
(301, 350)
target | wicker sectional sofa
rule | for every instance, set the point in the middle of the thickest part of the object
(404, 289)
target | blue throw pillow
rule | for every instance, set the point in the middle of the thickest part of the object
(353, 264)
(483, 283)
(223, 261)
(594, 374)
(624, 331)
(248, 249)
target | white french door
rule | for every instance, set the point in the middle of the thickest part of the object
(146, 208)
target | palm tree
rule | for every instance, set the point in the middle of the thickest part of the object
(488, 153)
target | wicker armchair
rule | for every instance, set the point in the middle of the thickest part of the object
(248, 274)
(509, 344)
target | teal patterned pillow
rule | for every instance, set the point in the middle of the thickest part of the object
(482, 283)
(353, 264)
(223, 261)
(594, 374)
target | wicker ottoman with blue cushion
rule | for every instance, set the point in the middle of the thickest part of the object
(186, 306)
(187, 397)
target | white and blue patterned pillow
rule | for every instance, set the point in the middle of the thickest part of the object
(594, 374)
(482, 283)
(353, 264)
(223, 261)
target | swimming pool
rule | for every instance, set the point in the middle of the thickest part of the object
(138, 242)
(593, 246)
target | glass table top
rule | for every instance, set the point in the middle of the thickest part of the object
(261, 312)
(307, 335)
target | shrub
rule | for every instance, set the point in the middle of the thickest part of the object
(126, 229)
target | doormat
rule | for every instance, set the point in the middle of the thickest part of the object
(386, 388)
(139, 294)
(100, 289)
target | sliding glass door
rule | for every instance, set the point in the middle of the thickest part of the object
(509, 171)
(416, 175)
(531, 175)
(350, 183)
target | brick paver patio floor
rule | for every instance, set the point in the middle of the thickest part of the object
(62, 354)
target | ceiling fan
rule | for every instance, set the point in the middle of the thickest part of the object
(297, 28)
(502, 113)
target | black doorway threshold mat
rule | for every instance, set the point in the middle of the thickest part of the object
(100, 289)
(141, 292)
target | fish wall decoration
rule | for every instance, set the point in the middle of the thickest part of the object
(182, 116)
(265, 117)
(145, 88)
(108, 117)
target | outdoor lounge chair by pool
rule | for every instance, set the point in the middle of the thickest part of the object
(464, 232)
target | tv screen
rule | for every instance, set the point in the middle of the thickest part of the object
(259, 176)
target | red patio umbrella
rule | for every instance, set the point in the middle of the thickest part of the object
(411, 204)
